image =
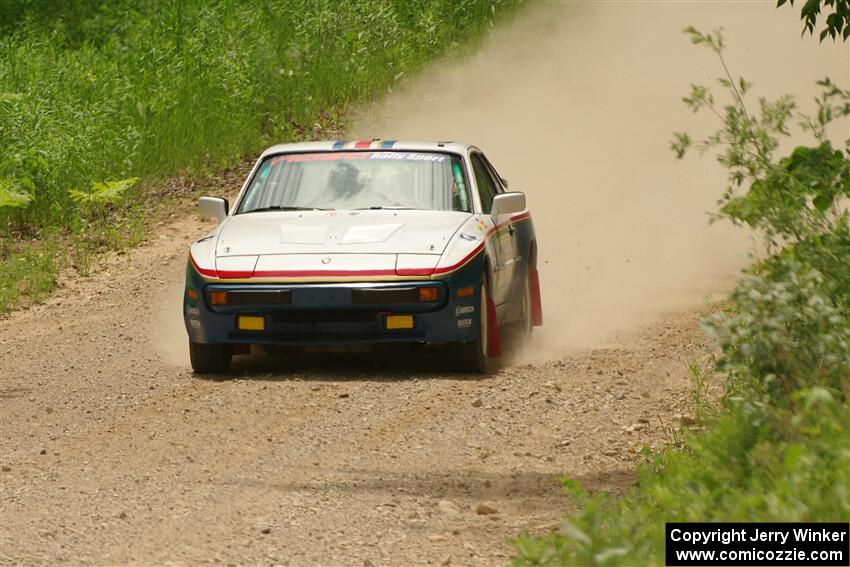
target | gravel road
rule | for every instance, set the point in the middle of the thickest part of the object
(114, 453)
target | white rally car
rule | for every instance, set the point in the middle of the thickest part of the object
(352, 243)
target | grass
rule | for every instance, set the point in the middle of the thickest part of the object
(30, 271)
(94, 92)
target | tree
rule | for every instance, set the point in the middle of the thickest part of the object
(837, 23)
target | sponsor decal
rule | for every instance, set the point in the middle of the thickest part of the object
(193, 311)
(195, 323)
(464, 310)
(407, 156)
(464, 323)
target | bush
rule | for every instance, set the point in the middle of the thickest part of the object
(747, 466)
(777, 449)
(787, 334)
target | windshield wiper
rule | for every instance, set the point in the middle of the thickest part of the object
(284, 208)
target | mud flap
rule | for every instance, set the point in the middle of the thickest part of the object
(536, 301)
(494, 344)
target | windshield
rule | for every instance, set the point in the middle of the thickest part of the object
(358, 180)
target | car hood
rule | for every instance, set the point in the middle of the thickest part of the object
(338, 232)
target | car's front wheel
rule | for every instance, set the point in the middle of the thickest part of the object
(210, 359)
(472, 356)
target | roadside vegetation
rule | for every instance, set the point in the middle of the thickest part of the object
(100, 101)
(776, 447)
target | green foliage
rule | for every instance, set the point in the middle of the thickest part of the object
(791, 328)
(140, 89)
(787, 200)
(788, 333)
(799, 197)
(837, 23)
(136, 88)
(31, 272)
(101, 194)
(699, 392)
(750, 464)
(777, 447)
(12, 195)
(20, 174)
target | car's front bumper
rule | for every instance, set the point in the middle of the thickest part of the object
(330, 313)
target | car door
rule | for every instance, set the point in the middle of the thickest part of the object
(503, 268)
(511, 256)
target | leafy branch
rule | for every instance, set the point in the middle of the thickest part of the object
(837, 23)
(789, 199)
(101, 194)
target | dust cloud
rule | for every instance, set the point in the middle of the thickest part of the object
(575, 104)
(169, 332)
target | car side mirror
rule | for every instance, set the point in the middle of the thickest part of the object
(508, 203)
(215, 207)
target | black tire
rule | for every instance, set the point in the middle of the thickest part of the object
(472, 356)
(210, 359)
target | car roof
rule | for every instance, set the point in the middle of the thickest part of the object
(373, 144)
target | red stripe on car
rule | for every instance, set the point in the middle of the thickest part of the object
(320, 273)
(203, 271)
(234, 274)
(369, 273)
(520, 217)
(465, 260)
(415, 271)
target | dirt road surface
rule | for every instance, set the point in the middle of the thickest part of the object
(113, 453)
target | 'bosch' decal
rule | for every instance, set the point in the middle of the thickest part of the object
(464, 310)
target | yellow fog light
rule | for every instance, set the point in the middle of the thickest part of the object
(251, 323)
(399, 322)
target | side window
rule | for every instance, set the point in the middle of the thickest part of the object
(500, 188)
(460, 194)
(486, 186)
